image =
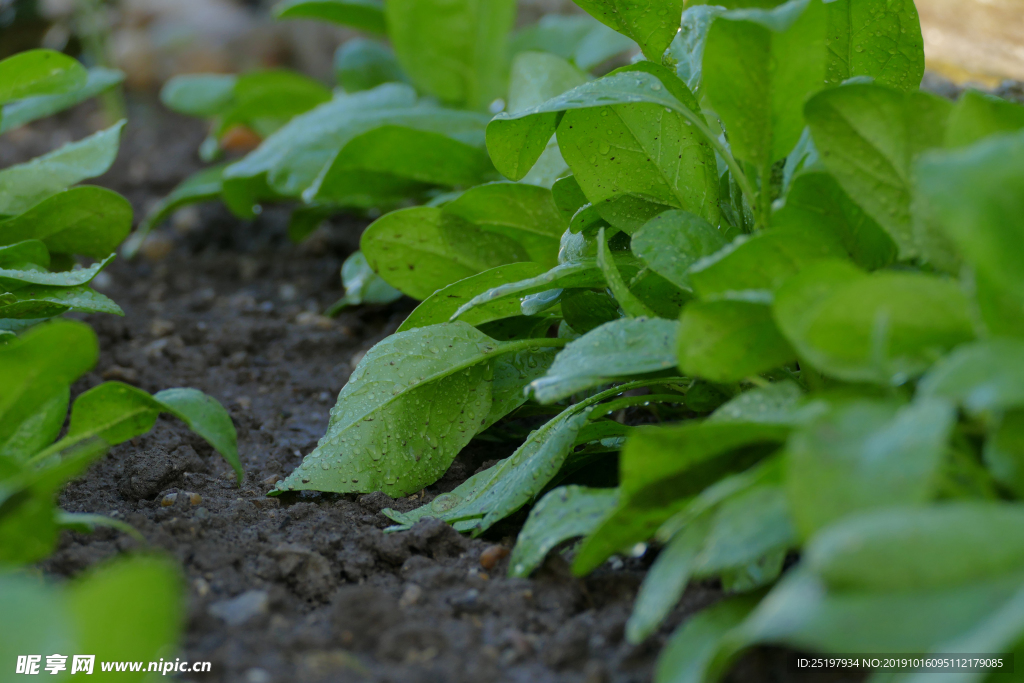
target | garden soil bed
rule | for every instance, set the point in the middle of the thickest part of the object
(308, 587)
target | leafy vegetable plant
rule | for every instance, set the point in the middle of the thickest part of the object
(46, 221)
(772, 244)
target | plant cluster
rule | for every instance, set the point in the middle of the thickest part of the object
(763, 236)
(44, 225)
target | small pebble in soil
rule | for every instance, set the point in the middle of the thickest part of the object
(169, 500)
(241, 609)
(492, 555)
(410, 596)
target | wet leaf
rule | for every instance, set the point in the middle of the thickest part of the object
(362, 64)
(875, 38)
(673, 241)
(562, 514)
(203, 95)
(39, 72)
(687, 48)
(89, 221)
(35, 302)
(362, 286)
(26, 110)
(689, 652)
(777, 403)
(14, 278)
(650, 24)
(985, 377)
(976, 115)
(365, 15)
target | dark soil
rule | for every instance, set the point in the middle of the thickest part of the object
(307, 587)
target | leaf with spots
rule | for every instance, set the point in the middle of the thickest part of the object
(650, 23)
(877, 38)
(414, 401)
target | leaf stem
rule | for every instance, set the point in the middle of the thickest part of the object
(526, 344)
(764, 197)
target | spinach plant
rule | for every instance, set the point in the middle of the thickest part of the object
(805, 270)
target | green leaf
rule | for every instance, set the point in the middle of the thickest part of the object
(201, 186)
(563, 513)
(111, 622)
(673, 241)
(457, 51)
(976, 115)
(985, 377)
(409, 407)
(25, 185)
(875, 38)
(652, 25)
(886, 327)
(687, 48)
(13, 278)
(440, 306)
(207, 418)
(201, 95)
(764, 261)
(362, 285)
(920, 548)
(689, 652)
(977, 195)
(730, 340)
(578, 39)
(666, 580)
(778, 403)
(633, 155)
(1004, 452)
(39, 72)
(584, 310)
(34, 302)
(568, 196)
(365, 15)
(630, 304)
(864, 455)
(524, 213)
(43, 624)
(539, 76)
(266, 100)
(760, 66)
(24, 255)
(869, 138)
(362, 64)
(420, 250)
(89, 221)
(45, 358)
(815, 201)
(24, 111)
(35, 420)
(621, 348)
(85, 522)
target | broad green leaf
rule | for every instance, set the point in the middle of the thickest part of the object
(920, 548)
(362, 285)
(442, 304)
(985, 377)
(630, 304)
(875, 38)
(47, 357)
(563, 513)
(87, 523)
(815, 201)
(202, 95)
(362, 64)
(578, 39)
(977, 194)
(266, 100)
(864, 455)
(24, 111)
(673, 241)
(116, 412)
(524, 213)
(537, 77)
(423, 249)
(43, 624)
(513, 373)
(25, 185)
(651, 24)
(517, 140)
(35, 301)
(687, 48)
(764, 261)
(585, 310)
(207, 418)
(621, 348)
(13, 279)
(632, 155)
(869, 138)
(409, 407)
(801, 613)
(777, 403)
(111, 621)
(39, 72)
(343, 133)
(666, 580)
(976, 115)
(1004, 451)
(90, 221)
(760, 66)
(661, 469)
(457, 51)
(201, 186)
(689, 652)
(568, 196)
(25, 255)
(35, 420)
(730, 340)
(365, 15)
(745, 528)
(886, 327)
